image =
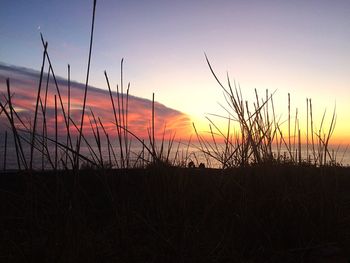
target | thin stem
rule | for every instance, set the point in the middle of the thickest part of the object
(68, 113)
(153, 140)
(56, 133)
(86, 86)
(5, 151)
(36, 108)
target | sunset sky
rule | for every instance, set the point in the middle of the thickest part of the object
(297, 47)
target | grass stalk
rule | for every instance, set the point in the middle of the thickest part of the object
(68, 113)
(18, 145)
(5, 152)
(289, 143)
(56, 134)
(57, 90)
(312, 132)
(97, 137)
(110, 147)
(295, 135)
(307, 131)
(329, 134)
(44, 125)
(299, 147)
(121, 131)
(44, 138)
(117, 122)
(152, 130)
(86, 86)
(127, 143)
(124, 113)
(36, 108)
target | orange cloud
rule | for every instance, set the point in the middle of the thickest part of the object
(24, 86)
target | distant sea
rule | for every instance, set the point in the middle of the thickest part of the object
(183, 154)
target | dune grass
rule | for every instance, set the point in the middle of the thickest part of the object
(265, 201)
(263, 213)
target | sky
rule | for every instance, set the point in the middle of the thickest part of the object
(296, 47)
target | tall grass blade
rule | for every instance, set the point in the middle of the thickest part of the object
(68, 113)
(86, 85)
(56, 134)
(57, 90)
(36, 108)
(5, 152)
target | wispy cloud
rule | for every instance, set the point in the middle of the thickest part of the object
(24, 85)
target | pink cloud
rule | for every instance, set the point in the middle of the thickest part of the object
(24, 85)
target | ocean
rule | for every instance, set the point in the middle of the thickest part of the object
(180, 154)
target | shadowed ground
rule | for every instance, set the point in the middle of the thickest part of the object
(160, 214)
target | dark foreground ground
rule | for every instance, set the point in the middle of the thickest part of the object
(255, 214)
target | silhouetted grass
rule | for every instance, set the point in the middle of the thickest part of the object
(266, 202)
(259, 138)
(263, 213)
